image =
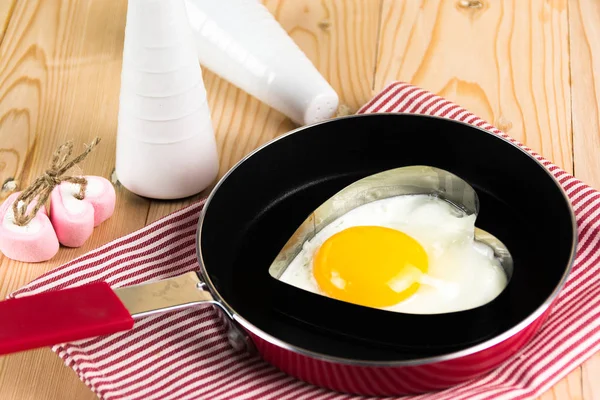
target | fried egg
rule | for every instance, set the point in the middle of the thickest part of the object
(413, 254)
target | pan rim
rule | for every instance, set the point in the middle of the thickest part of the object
(537, 313)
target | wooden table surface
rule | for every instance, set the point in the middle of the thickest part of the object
(529, 67)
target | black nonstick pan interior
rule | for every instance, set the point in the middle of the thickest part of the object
(262, 201)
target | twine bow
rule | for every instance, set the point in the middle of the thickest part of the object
(43, 185)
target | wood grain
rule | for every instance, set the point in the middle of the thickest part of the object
(37, 375)
(584, 26)
(585, 52)
(568, 388)
(506, 61)
(6, 8)
(590, 374)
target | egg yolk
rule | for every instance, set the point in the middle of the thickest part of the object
(370, 265)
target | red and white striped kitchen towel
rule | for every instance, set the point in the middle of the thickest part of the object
(185, 355)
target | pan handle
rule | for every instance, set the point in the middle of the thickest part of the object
(96, 309)
(61, 316)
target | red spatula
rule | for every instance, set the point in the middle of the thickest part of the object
(90, 310)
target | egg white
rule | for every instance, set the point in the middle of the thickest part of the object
(462, 274)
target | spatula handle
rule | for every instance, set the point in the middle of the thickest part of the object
(61, 316)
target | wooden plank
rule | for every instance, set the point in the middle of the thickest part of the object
(339, 38)
(591, 372)
(505, 61)
(40, 374)
(6, 8)
(584, 20)
(585, 52)
(568, 388)
(59, 80)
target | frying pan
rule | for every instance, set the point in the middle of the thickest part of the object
(257, 206)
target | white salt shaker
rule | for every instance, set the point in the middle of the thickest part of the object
(241, 41)
(165, 141)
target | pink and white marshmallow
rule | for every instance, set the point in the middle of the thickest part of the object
(34, 242)
(73, 219)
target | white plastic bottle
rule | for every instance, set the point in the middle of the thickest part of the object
(165, 141)
(241, 41)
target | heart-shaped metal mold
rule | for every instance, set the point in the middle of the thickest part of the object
(413, 180)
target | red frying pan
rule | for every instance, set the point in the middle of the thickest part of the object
(259, 204)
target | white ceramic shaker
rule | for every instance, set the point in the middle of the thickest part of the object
(241, 41)
(165, 142)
